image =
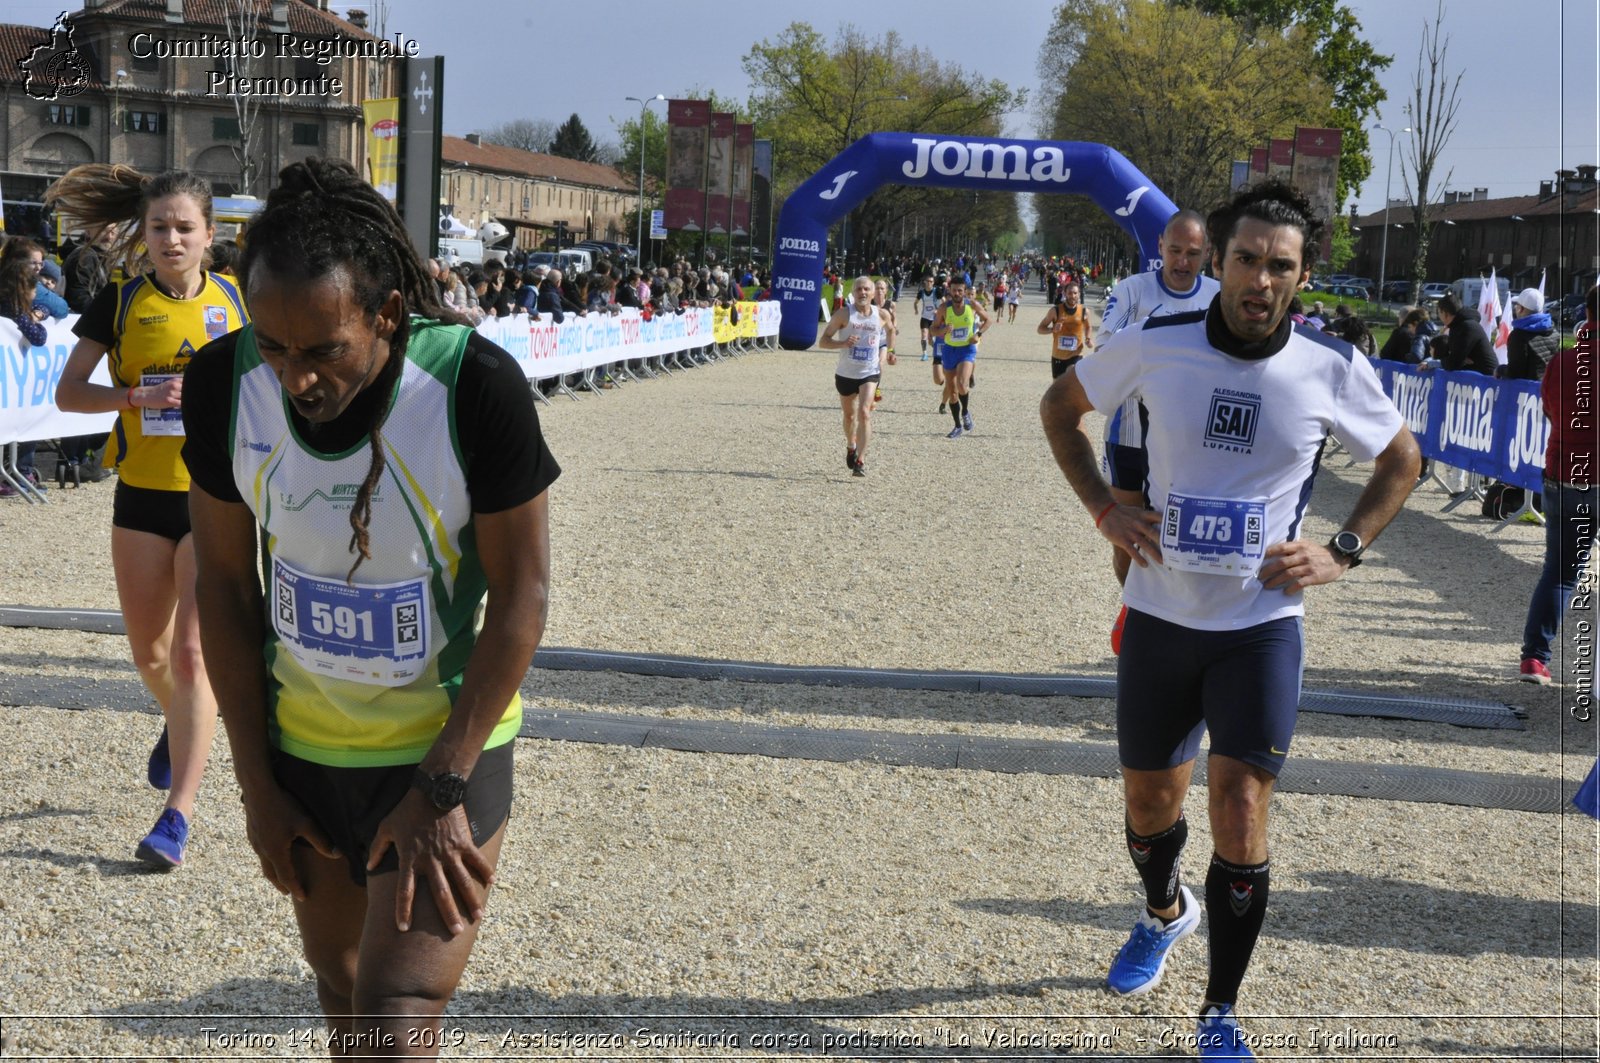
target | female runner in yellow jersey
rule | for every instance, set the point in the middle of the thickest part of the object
(150, 323)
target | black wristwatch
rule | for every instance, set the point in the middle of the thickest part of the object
(1348, 545)
(445, 790)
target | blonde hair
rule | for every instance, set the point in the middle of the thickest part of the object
(117, 196)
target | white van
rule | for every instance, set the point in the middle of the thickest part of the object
(571, 261)
(1468, 290)
(575, 260)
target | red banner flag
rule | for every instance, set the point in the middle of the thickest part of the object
(719, 172)
(744, 149)
(688, 125)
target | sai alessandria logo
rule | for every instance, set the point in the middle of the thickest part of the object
(56, 70)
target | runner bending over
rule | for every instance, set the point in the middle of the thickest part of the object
(391, 469)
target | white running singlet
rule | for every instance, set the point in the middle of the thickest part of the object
(1233, 445)
(867, 337)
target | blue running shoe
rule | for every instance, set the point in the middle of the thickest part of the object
(1219, 1036)
(966, 421)
(1138, 965)
(955, 433)
(159, 770)
(162, 848)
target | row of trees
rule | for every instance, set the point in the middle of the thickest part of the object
(570, 139)
(1181, 87)
(1184, 87)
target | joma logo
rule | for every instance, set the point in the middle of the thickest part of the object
(997, 162)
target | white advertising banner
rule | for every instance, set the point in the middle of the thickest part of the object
(28, 378)
(544, 349)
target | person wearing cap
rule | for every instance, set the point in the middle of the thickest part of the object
(1533, 340)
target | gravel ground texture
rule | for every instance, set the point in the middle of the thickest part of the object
(657, 904)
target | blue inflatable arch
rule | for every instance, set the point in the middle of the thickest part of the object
(979, 163)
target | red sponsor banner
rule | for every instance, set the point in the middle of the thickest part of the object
(1258, 162)
(744, 150)
(719, 172)
(1316, 172)
(1280, 158)
(688, 126)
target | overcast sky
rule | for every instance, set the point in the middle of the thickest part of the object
(1529, 94)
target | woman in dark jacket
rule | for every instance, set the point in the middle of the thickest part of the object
(1467, 344)
(1401, 344)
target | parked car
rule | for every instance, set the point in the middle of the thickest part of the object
(1396, 291)
(1351, 291)
(1433, 291)
(1565, 311)
(608, 249)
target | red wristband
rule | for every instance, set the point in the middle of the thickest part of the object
(1103, 513)
(132, 406)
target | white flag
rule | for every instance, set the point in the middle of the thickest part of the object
(1489, 315)
(1502, 334)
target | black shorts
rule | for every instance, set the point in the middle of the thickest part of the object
(349, 803)
(163, 513)
(1176, 682)
(1060, 365)
(847, 386)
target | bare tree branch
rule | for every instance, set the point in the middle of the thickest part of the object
(1431, 111)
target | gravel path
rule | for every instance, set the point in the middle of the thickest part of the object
(710, 514)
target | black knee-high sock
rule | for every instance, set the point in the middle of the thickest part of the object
(964, 400)
(955, 413)
(1236, 902)
(1155, 856)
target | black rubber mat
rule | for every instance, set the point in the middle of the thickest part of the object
(1009, 755)
(1459, 712)
(103, 621)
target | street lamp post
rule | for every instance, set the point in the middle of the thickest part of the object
(1383, 258)
(643, 105)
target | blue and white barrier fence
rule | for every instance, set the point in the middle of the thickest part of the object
(1495, 428)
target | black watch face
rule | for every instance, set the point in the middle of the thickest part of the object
(448, 790)
(1347, 542)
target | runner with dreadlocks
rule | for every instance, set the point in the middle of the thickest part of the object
(149, 324)
(393, 465)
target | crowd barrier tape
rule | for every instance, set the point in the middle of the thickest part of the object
(1496, 428)
(544, 350)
